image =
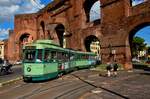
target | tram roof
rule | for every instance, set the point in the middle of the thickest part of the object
(46, 44)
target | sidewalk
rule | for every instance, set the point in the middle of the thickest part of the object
(127, 85)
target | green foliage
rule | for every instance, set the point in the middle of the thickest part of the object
(102, 67)
(148, 50)
(137, 45)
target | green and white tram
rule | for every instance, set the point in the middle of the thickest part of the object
(44, 60)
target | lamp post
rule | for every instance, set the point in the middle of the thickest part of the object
(110, 49)
(112, 52)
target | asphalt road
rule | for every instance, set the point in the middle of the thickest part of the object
(17, 72)
(83, 84)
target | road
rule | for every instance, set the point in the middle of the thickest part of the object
(17, 72)
(83, 84)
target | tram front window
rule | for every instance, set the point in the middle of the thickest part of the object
(29, 55)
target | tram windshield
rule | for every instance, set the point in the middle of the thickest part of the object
(29, 55)
(32, 55)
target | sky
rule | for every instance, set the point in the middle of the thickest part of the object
(144, 33)
(8, 8)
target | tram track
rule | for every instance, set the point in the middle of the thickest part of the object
(45, 87)
(71, 86)
(15, 88)
(74, 93)
(105, 89)
(27, 86)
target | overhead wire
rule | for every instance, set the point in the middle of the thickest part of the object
(37, 3)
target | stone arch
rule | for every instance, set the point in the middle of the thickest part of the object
(60, 29)
(87, 8)
(56, 32)
(136, 2)
(89, 40)
(95, 12)
(22, 39)
(22, 34)
(42, 27)
(135, 30)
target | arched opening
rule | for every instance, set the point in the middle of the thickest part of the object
(140, 43)
(42, 24)
(23, 40)
(60, 29)
(92, 44)
(95, 14)
(92, 10)
(48, 35)
(136, 2)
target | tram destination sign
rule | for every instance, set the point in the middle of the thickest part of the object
(30, 47)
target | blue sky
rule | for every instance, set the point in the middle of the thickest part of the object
(144, 33)
(8, 8)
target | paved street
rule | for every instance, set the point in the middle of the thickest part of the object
(83, 84)
(17, 72)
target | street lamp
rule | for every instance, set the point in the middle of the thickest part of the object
(112, 52)
(110, 49)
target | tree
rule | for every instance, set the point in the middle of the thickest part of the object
(148, 50)
(137, 45)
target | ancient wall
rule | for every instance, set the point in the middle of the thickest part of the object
(114, 29)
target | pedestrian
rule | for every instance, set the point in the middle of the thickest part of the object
(109, 69)
(115, 68)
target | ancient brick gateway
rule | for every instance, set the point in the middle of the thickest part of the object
(70, 19)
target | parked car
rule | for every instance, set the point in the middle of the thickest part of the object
(1, 61)
(136, 60)
(18, 62)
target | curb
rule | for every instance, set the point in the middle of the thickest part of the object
(10, 81)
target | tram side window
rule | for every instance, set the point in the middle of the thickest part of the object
(84, 57)
(39, 56)
(65, 56)
(62, 56)
(53, 55)
(72, 57)
(47, 56)
(59, 55)
(78, 56)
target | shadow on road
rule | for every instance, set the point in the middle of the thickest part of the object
(145, 73)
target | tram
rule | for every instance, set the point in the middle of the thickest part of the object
(44, 59)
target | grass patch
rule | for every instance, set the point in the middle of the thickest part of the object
(102, 67)
(141, 66)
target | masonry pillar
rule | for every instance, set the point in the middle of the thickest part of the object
(113, 48)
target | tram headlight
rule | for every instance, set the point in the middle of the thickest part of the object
(28, 69)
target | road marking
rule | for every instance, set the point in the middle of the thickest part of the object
(0, 84)
(95, 75)
(96, 91)
(10, 81)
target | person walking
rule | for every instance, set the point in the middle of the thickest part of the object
(109, 69)
(115, 68)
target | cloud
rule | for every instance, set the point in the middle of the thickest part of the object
(8, 8)
(4, 33)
